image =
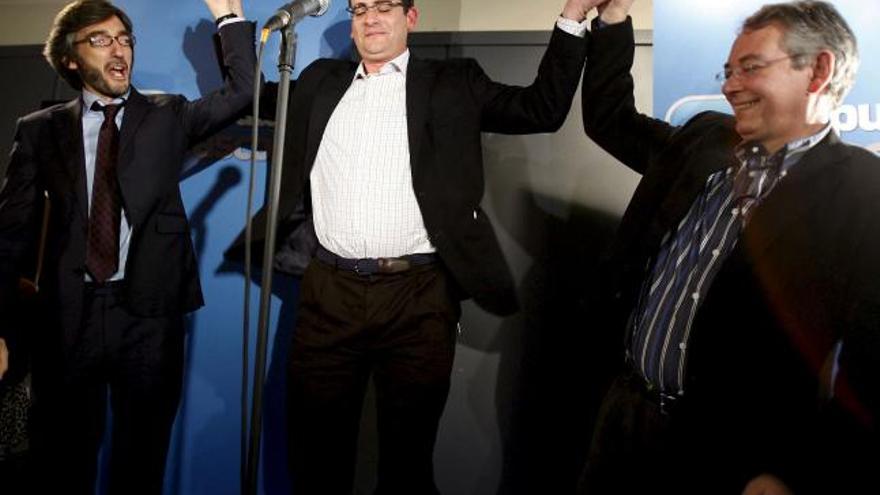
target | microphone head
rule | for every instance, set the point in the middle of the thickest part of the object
(323, 6)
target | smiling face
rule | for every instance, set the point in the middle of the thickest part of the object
(770, 99)
(381, 36)
(105, 71)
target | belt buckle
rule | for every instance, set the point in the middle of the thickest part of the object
(667, 403)
(392, 265)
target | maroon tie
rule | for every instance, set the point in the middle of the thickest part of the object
(102, 252)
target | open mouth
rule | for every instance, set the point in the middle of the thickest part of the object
(118, 71)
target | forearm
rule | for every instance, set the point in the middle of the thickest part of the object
(608, 103)
(209, 113)
(541, 106)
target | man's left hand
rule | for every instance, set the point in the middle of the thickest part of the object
(219, 8)
(766, 484)
(4, 358)
(577, 10)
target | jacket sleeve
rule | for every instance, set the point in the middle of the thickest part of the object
(19, 208)
(208, 114)
(609, 113)
(543, 105)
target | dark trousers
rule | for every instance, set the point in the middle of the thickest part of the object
(643, 446)
(401, 329)
(139, 362)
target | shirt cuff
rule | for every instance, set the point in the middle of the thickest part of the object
(574, 28)
(232, 20)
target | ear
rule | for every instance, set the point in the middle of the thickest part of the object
(412, 18)
(71, 64)
(823, 68)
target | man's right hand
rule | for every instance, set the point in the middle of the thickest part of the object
(4, 358)
(577, 10)
(614, 11)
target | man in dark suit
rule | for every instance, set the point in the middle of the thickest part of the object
(745, 274)
(119, 270)
(388, 153)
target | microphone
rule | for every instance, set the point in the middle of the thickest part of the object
(294, 11)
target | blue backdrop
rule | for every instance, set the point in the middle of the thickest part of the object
(175, 54)
(692, 39)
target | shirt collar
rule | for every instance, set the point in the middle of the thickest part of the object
(397, 64)
(789, 154)
(89, 98)
(804, 144)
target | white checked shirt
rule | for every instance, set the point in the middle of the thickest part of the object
(362, 194)
(363, 201)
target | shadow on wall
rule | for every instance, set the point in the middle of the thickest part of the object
(555, 357)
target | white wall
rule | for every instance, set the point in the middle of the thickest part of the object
(26, 22)
(505, 15)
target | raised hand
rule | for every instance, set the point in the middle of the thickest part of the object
(219, 8)
(614, 11)
(577, 10)
(4, 358)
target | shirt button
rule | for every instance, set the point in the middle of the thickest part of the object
(716, 253)
(682, 346)
(734, 211)
(475, 214)
(695, 296)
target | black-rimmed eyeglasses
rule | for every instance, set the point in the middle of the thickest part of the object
(102, 40)
(749, 69)
(359, 9)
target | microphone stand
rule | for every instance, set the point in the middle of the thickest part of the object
(285, 69)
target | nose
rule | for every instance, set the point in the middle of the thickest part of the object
(731, 85)
(371, 16)
(116, 49)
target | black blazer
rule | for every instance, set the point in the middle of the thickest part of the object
(161, 272)
(449, 103)
(804, 274)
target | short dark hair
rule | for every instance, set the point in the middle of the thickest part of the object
(407, 4)
(59, 47)
(810, 27)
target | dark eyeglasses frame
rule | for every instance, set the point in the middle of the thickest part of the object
(94, 40)
(749, 69)
(382, 7)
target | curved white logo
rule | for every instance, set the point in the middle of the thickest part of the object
(847, 118)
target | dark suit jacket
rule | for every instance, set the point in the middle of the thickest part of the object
(449, 103)
(804, 274)
(161, 273)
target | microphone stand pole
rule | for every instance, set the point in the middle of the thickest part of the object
(285, 69)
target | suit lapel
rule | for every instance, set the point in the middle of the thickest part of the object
(687, 186)
(327, 97)
(418, 84)
(803, 190)
(136, 108)
(67, 127)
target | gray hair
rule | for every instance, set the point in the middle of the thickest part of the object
(810, 27)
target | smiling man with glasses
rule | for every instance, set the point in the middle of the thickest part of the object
(119, 271)
(745, 276)
(387, 154)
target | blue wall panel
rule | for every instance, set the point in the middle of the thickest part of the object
(175, 54)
